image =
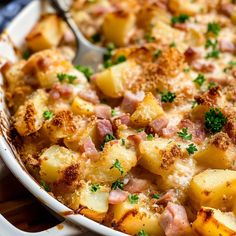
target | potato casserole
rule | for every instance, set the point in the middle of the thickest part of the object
(146, 145)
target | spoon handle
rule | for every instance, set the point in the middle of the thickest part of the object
(87, 54)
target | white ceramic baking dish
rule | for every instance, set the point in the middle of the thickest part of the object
(17, 31)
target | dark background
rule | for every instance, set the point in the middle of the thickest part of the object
(9, 9)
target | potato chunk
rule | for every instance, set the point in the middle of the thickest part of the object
(123, 22)
(211, 222)
(115, 161)
(148, 110)
(132, 218)
(112, 81)
(29, 116)
(47, 33)
(82, 107)
(54, 162)
(213, 188)
(218, 153)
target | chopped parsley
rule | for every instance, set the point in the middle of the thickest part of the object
(117, 185)
(199, 80)
(87, 71)
(191, 148)
(213, 28)
(45, 186)
(96, 38)
(47, 115)
(149, 38)
(213, 54)
(167, 96)
(230, 66)
(26, 55)
(69, 78)
(107, 62)
(184, 134)
(182, 18)
(94, 188)
(214, 120)
(140, 130)
(123, 141)
(120, 59)
(186, 70)
(142, 233)
(133, 198)
(211, 43)
(211, 85)
(113, 112)
(172, 45)
(107, 138)
(157, 54)
(150, 137)
(118, 166)
(194, 104)
(156, 196)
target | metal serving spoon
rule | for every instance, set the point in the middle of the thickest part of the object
(87, 54)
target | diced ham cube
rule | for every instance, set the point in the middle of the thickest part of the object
(136, 185)
(191, 55)
(89, 96)
(104, 127)
(174, 220)
(103, 111)
(117, 196)
(121, 120)
(130, 101)
(168, 132)
(88, 148)
(137, 138)
(226, 46)
(158, 124)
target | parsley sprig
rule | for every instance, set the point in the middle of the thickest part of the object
(45, 186)
(156, 196)
(118, 166)
(66, 77)
(150, 137)
(142, 233)
(213, 28)
(182, 18)
(133, 198)
(184, 134)
(214, 53)
(94, 188)
(107, 138)
(191, 148)
(87, 71)
(48, 115)
(167, 96)
(118, 184)
(214, 120)
(199, 80)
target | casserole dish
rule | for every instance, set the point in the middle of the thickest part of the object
(17, 31)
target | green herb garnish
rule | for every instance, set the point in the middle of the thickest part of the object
(142, 233)
(172, 45)
(133, 198)
(211, 85)
(47, 115)
(69, 78)
(213, 54)
(120, 59)
(167, 96)
(184, 134)
(150, 137)
(194, 104)
(182, 18)
(149, 38)
(118, 166)
(117, 185)
(113, 112)
(156, 196)
(87, 71)
(26, 55)
(123, 142)
(45, 186)
(96, 38)
(231, 64)
(157, 54)
(191, 148)
(94, 188)
(214, 120)
(213, 28)
(107, 138)
(199, 80)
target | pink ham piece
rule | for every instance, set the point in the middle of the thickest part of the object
(191, 55)
(169, 196)
(130, 101)
(136, 185)
(104, 127)
(227, 8)
(137, 138)
(168, 132)
(203, 67)
(180, 26)
(60, 91)
(117, 196)
(174, 220)
(158, 124)
(89, 149)
(103, 111)
(89, 96)
(121, 120)
(226, 46)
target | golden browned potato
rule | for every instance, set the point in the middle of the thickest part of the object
(211, 222)
(148, 110)
(218, 153)
(82, 107)
(132, 218)
(46, 34)
(29, 116)
(54, 162)
(112, 81)
(124, 25)
(213, 188)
